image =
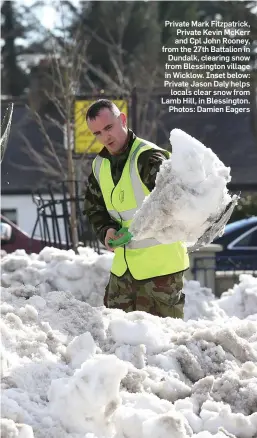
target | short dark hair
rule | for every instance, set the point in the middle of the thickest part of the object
(94, 109)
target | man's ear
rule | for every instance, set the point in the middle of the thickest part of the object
(123, 119)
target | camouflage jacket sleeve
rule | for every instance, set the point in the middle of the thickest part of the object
(149, 163)
(95, 210)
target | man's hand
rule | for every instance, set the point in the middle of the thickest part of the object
(110, 234)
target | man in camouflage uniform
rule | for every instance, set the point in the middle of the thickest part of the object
(161, 295)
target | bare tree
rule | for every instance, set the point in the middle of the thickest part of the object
(60, 73)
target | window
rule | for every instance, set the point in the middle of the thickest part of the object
(249, 240)
(11, 214)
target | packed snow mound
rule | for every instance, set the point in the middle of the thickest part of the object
(84, 276)
(70, 370)
(11, 430)
(239, 301)
(73, 371)
(189, 196)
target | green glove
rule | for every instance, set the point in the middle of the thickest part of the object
(123, 240)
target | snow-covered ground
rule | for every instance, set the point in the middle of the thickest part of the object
(73, 369)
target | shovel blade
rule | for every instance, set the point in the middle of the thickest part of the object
(5, 129)
(217, 228)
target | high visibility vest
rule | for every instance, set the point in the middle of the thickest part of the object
(146, 258)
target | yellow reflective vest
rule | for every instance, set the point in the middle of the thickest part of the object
(147, 258)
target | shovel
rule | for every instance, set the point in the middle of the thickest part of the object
(5, 129)
(212, 231)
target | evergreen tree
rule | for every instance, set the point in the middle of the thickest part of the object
(14, 80)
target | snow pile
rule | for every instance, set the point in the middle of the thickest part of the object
(240, 301)
(11, 430)
(190, 194)
(84, 276)
(70, 370)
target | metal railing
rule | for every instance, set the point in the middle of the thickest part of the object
(53, 217)
(220, 273)
(235, 264)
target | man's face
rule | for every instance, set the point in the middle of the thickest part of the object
(110, 130)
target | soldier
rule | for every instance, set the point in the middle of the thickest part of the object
(145, 275)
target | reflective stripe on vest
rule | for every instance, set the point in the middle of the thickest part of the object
(127, 215)
(97, 166)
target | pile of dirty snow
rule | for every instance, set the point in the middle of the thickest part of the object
(84, 276)
(71, 369)
(191, 184)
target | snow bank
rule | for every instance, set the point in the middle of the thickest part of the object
(84, 276)
(71, 369)
(191, 184)
(240, 301)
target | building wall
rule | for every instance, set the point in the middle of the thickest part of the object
(23, 207)
(26, 210)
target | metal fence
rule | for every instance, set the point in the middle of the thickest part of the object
(221, 272)
(53, 217)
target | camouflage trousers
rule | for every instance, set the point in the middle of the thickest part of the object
(161, 296)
